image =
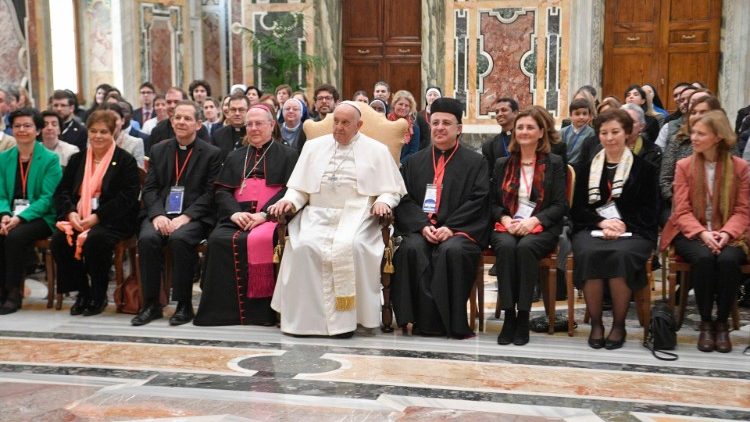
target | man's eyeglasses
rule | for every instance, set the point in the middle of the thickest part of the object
(25, 126)
(325, 98)
(147, 92)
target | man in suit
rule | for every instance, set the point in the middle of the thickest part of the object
(163, 129)
(177, 199)
(146, 110)
(505, 109)
(229, 137)
(63, 103)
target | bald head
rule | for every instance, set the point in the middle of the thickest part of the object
(346, 122)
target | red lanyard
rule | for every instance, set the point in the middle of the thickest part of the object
(24, 174)
(178, 173)
(440, 169)
(526, 180)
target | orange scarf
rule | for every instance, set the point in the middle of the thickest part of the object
(93, 175)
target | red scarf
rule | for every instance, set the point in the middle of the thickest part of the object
(512, 182)
(409, 119)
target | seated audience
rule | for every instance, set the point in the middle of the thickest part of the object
(239, 279)
(614, 224)
(97, 206)
(527, 192)
(51, 137)
(636, 95)
(329, 276)
(444, 220)
(710, 216)
(177, 199)
(403, 106)
(30, 173)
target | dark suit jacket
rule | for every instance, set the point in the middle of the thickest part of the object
(227, 139)
(118, 203)
(197, 179)
(75, 134)
(495, 148)
(163, 130)
(211, 128)
(638, 204)
(554, 205)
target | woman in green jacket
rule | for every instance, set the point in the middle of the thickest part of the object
(29, 175)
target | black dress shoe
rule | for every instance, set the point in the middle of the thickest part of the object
(10, 306)
(509, 328)
(147, 314)
(615, 344)
(596, 343)
(79, 305)
(183, 314)
(95, 307)
(344, 335)
(521, 334)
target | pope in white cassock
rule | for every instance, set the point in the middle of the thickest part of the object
(329, 280)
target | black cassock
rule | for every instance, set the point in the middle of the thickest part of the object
(432, 282)
(224, 298)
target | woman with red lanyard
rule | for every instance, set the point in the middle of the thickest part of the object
(29, 174)
(97, 206)
(614, 214)
(527, 193)
(709, 219)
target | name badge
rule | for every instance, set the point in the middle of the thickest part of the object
(525, 209)
(609, 211)
(94, 203)
(174, 200)
(20, 205)
(430, 199)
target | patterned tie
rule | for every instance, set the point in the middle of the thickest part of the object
(146, 115)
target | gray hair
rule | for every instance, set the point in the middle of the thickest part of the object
(637, 110)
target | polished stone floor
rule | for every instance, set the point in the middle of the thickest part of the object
(55, 367)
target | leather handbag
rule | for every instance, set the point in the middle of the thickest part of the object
(662, 333)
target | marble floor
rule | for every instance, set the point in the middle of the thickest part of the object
(55, 367)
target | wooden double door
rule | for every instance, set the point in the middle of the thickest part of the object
(382, 40)
(661, 42)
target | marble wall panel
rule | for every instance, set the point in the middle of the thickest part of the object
(433, 43)
(212, 50)
(326, 32)
(13, 65)
(235, 59)
(506, 39)
(97, 30)
(162, 40)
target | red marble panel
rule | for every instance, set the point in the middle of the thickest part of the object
(506, 43)
(236, 43)
(212, 64)
(160, 54)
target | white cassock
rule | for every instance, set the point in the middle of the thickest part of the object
(329, 279)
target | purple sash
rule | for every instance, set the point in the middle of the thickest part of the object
(260, 275)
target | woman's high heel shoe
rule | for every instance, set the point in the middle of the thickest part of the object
(615, 344)
(596, 343)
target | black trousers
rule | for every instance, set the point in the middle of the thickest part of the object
(96, 260)
(517, 260)
(181, 244)
(14, 252)
(713, 277)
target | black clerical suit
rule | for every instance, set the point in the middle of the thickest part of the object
(432, 282)
(163, 130)
(228, 139)
(495, 148)
(197, 179)
(74, 133)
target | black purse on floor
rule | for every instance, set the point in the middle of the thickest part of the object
(662, 333)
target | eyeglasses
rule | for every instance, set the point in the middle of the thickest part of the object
(324, 98)
(252, 125)
(26, 126)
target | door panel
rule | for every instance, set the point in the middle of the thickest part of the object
(361, 74)
(690, 10)
(408, 74)
(403, 21)
(630, 12)
(359, 21)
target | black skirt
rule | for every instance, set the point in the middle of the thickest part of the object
(595, 258)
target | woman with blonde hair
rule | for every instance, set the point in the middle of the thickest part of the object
(403, 106)
(711, 213)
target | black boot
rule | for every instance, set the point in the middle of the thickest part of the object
(183, 314)
(521, 335)
(509, 328)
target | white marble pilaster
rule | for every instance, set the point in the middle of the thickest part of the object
(587, 44)
(734, 73)
(196, 33)
(129, 51)
(433, 44)
(327, 28)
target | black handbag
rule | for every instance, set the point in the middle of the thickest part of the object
(662, 333)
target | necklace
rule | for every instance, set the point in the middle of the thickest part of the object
(333, 178)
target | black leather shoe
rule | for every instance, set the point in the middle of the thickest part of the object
(509, 328)
(521, 334)
(344, 335)
(10, 306)
(95, 307)
(147, 314)
(183, 314)
(79, 305)
(615, 344)
(596, 343)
